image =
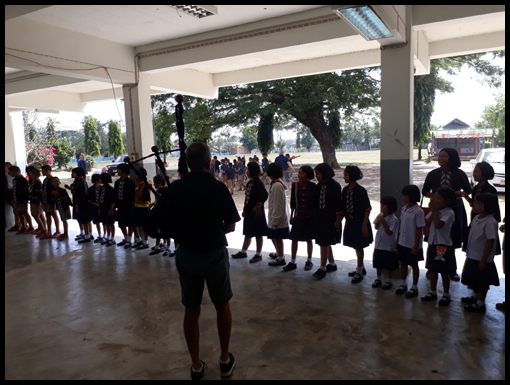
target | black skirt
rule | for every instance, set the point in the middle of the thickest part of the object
(384, 259)
(479, 280)
(324, 231)
(449, 265)
(353, 236)
(404, 255)
(255, 227)
(301, 230)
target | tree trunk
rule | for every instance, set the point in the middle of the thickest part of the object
(325, 139)
(419, 152)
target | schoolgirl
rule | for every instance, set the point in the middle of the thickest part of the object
(301, 215)
(409, 239)
(34, 196)
(385, 256)
(93, 195)
(140, 212)
(62, 204)
(124, 195)
(107, 209)
(479, 271)
(440, 252)
(327, 221)
(358, 231)
(254, 223)
(278, 214)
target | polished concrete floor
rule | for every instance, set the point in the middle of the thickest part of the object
(90, 312)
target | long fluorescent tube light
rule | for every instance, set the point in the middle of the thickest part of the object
(364, 20)
(198, 11)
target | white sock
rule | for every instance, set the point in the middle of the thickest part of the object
(243, 251)
(82, 232)
(258, 253)
(447, 295)
(280, 258)
(414, 287)
(309, 259)
(332, 263)
(146, 242)
(127, 238)
(480, 303)
(323, 268)
(293, 261)
(199, 370)
(225, 362)
(359, 270)
(433, 292)
(379, 277)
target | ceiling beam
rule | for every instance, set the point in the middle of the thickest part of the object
(14, 11)
(26, 81)
(39, 47)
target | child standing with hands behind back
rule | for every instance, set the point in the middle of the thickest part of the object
(479, 271)
(409, 239)
(385, 256)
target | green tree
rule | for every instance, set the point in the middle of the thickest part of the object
(92, 141)
(494, 117)
(307, 140)
(265, 134)
(248, 141)
(63, 152)
(115, 139)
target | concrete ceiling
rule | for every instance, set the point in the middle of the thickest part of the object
(64, 49)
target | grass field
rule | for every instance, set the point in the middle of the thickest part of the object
(311, 158)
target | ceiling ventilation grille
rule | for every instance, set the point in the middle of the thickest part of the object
(198, 11)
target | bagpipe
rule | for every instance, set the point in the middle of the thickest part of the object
(182, 165)
(154, 224)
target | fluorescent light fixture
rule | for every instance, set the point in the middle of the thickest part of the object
(365, 21)
(198, 11)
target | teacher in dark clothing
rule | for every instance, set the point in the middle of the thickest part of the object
(202, 212)
(449, 174)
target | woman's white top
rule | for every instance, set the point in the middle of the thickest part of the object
(481, 231)
(442, 236)
(383, 241)
(278, 207)
(410, 219)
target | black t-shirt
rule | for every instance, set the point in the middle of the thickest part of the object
(20, 190)
(199, 206)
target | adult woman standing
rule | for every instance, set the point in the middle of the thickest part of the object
(449, 174)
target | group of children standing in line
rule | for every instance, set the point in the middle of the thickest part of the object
(316, 213)
(318, 210)
(127, 202)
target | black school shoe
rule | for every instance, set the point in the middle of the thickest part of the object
(319, 274)
(198, 375)
(401, 289)
(411, 293)
(353, 273)
(277, 262)
(444, 301)
(357, 278)
(469, 300)
(239, 255)
(227, 369)
(290, 266)
(474, 308)
(429, 297)
(331, 268)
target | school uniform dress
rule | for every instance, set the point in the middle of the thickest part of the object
(20, 193)
(80, 199)
(385, 255)
(93, 195)
(327, 203)
(278, 213)
(255, 193)
(106, 198)
(410, 219)
(301, 200)
(34, 197)
(63, 204)
(486, 188)
(482, 229)
(47, 197)
(457, 180)
(355, 203)
(141, 209)
(124, 196)
(440, 238)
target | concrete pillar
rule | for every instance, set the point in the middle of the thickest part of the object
(14, 153)
(397, 120)
(140, 136)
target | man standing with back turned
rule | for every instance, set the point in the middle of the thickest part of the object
(204, 212)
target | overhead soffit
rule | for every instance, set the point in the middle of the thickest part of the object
(136, 25)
